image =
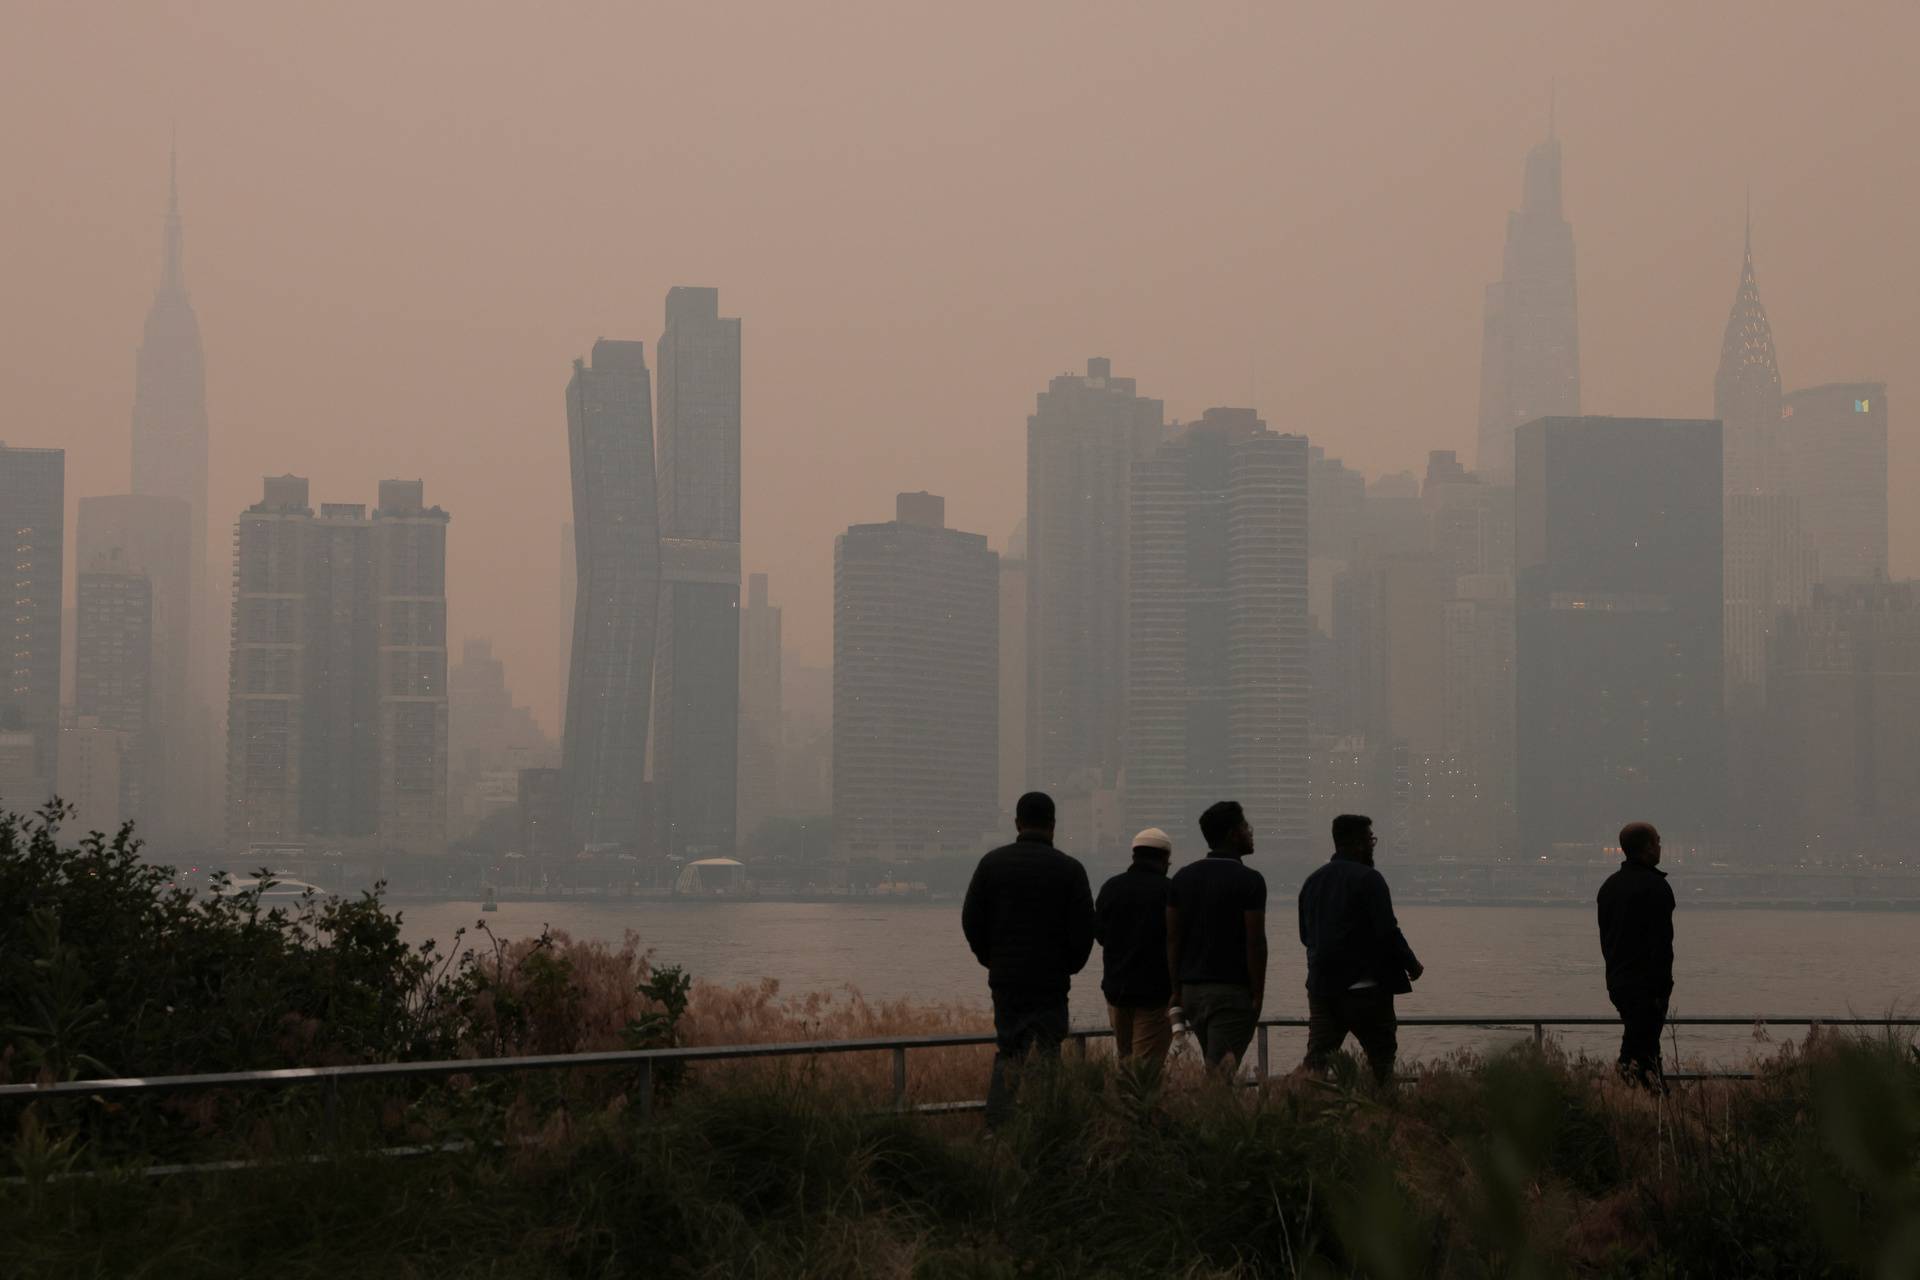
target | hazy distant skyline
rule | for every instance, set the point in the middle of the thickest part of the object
(404, 223)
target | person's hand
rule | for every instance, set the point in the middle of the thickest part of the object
(1415, 970)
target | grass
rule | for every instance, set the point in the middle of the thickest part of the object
(1527, 1164)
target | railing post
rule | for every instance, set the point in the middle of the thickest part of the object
(1265, 1053)
(1539, 1035)
(645, 1077)
(333, 1111)
(900, 1078)
(1080, 1047)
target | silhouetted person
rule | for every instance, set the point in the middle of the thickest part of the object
(1636, 937)
(1130, 920)
(1217, 938)
(1029, 919)
(1357, 958)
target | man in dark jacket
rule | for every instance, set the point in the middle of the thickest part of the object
(1029, 919)
(1217, 939)
(1357, 958)
(1636, 937)
(1130, 920)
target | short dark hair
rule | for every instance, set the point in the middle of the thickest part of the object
(1636, 838)
(1221, 820)
(1350, 828)
(1035, 811)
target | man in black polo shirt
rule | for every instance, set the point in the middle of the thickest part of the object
(1217, 938)
(1029, 919)
(1357, 958)
(1130, 921)
(1636, 938)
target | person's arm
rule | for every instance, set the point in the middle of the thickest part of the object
(1079, 920)
(1102, 917)
(976, 914)
(1387, 928)
(1176, 930)
(1256, 926)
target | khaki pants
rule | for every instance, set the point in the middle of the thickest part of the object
(1141, 1035)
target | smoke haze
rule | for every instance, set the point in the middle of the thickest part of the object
(404, 222)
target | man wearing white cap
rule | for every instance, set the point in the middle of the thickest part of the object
(1130, 920)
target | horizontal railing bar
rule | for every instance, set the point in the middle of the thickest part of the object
(810, 1048)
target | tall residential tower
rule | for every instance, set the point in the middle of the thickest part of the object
(697, 708)
(616, 531)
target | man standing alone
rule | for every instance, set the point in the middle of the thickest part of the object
(1636, 937)
(1357, 958)
(1217, 938)
(1130, 920)
(1028, 917)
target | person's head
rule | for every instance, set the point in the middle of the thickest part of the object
(1224, 826)
(1640, 843)
(1033, 815)
(1153, 847)
(1353, 836)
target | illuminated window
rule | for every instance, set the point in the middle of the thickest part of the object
(1862, 406)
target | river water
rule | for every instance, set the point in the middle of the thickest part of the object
(1480, 960)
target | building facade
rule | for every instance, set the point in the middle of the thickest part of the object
(152, 537)
(760, 711)
(337, 713)
(1083, 438)
(1843, 725)
(1618, 655)
(915, 687)
(697, 709)
(1835, 441)
(1013, 671)
(33, 507)
(616, 533)
(1530, 344)
(1217, 650)
(113, 684)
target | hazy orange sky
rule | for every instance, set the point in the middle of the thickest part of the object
(404, 221)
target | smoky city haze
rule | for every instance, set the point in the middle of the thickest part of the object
(403, 223)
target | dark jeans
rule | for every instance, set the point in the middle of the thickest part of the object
(1023, 1025)
(1366, 1014)
(1221, 1015)
(1644, 1016)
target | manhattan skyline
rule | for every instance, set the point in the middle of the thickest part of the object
(391, 287)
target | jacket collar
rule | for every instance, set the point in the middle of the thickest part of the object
(1031, 837)
(1641, 866)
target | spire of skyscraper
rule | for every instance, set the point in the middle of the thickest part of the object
(1530, 357)
(1746, 386)
(171, 279)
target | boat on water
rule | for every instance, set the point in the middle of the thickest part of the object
(488, 900)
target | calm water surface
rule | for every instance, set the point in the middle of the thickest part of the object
(1480, 960)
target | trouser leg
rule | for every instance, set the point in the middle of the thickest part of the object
(1377, 1028)
(1023, 1030)
(1643, 1016)
(1326, 1031)
(1152, 1036)
(1121, 1020)
(1222, 1017)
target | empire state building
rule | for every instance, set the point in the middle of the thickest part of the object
(170, 397)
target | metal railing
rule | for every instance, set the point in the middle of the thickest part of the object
(643, 1061)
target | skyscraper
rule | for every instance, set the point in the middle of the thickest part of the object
(697, 711)
(1217, 653)
(915, 686)
(1843, 715)
(1746, 389)
(1618, 656)
(170, 444)
(1530, 344)
(33, 510)
(409, 548)
(760, 715)
(1013, 671)
(1835, 441)
(1083, 437)
(113, 684)
(337, 716)
(616, 534)
(152, 537)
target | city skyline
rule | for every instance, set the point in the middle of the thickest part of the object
(339, 324)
